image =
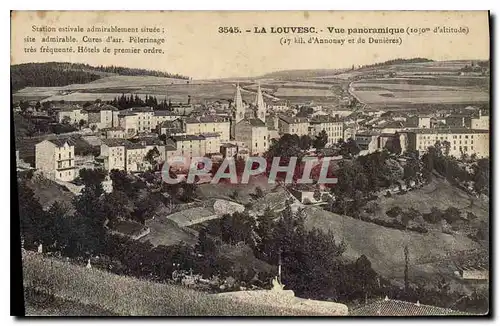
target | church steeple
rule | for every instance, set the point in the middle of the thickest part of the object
(261, 105)
(238, 104)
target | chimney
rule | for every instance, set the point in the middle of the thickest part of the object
(463, 121)
(479, 113)
(386, 298)
(418, 303)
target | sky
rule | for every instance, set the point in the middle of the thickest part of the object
(194, 47)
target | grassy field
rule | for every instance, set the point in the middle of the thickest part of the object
(384, 246)
(406, 91)
(126, 296)
(38, 304)
(440, 194)
(166, 232)
(47, 192)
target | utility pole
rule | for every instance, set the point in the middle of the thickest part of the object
(279, 266)
(406, 267)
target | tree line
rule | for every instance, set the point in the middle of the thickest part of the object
(126, 102)
(49, 74)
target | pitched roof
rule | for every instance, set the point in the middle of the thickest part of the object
(323, 119)
(402, 308)
(131, 145)
(148, 141)
(289, 120)
(210, 134)
(141, 109)
(115, 142)
(170, 145)
(206, 119)
(126, 114)
(59, 142)
(164, 113)
(113, 129)
(256, 123)
(187, 137)
(97, 107)
(450, 131)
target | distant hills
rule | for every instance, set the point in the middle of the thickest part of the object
(49, 74)
(311, 73)
(302, 73)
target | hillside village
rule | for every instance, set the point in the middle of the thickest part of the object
(91, 188)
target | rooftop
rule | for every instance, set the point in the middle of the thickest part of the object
(113, 129)
(210, 134)
(59, 142)
(206, 119)
(324, 119)
(165, 113)
(97, 107)
(450, 131)
(402, 308)
(115, 142)
(187, 137)
(289, 119)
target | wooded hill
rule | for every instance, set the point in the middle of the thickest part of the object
(49, 74)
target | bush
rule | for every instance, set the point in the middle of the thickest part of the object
(434, 216)
(394, 212)
(409, 215)
(451, 214)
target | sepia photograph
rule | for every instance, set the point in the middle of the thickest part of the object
(251, 164)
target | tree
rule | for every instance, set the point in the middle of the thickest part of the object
(481, 176)
(451, 214)
(117, 205)
(366, 276)
(31, 214)
(152, 156)
(81, 123)
(305, 142)
(121, 182)
(92, 180)
(206, 245)
(259, 193)
(394, 145)
(30, 130)
(317, 194)
(349, 148)
(188, 191)
(66, 120)
(321, 140)
(434, 216)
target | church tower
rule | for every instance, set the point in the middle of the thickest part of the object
(238, 104)
(260, 105)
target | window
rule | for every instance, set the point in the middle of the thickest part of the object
(256, 144)
(59, 155)
(69, 154)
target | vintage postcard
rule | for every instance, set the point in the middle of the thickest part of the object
(266, 163)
